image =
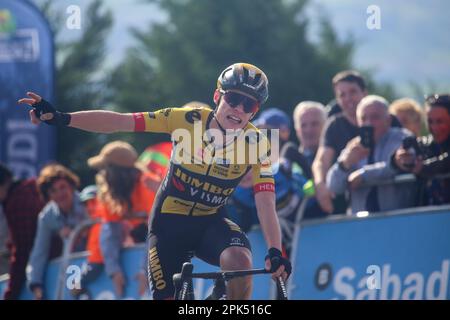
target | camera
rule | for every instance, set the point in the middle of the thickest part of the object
(410, 144)
(366, 136)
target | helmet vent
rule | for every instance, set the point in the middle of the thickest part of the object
(245, 74)
(257, 78)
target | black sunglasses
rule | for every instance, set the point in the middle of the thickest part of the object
(234, 99)
(438, 99)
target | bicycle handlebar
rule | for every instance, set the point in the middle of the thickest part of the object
(186, 273)
(227, 275)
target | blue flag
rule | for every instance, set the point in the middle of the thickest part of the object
(26, 64)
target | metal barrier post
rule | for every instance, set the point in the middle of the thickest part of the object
(68, 244)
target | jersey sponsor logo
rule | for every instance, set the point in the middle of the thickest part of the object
(236, 242)
(202, 210)
(155, 269)
(265, 186)
(203, 191)
(219, 170)
(237, 170)
(193, 116)
(176, 205)
(151, 115)
(213, 199)
(198, 184)
(167, 112)
(182, 203)
(178, 185)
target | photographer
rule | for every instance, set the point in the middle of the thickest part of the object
(365, 161)
(429, 156)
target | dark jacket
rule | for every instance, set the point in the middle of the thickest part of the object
(436, 162)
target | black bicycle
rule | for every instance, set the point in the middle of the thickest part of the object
(184, 288)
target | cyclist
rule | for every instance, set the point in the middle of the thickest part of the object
(185, 215)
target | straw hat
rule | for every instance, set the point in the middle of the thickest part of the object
(119, 153)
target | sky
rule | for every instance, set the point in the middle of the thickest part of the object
(411, 46)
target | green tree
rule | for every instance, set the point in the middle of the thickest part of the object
(133, 88)
(179, 60)
(78, 84)
(201, 37)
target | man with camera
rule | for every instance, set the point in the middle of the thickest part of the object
(365, 162)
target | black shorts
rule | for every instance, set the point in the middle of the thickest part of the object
(173, 238)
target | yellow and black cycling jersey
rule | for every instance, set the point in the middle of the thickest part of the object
(204, 171)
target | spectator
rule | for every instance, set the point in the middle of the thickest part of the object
(21, 205)
(332, 108)
(64, 210)
(432, 157)
(275, 118)
(349, 88)
(358, 165)
(409, 113)
(156, 158)
(125, 192)
(309, 118)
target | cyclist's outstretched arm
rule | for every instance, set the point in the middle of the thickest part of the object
(101, 121)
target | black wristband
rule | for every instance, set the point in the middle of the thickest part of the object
(274, 252)
(64, 118)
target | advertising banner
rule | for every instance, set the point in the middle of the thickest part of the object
(402, 256)
(26, 64)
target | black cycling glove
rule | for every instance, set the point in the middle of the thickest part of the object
(59, 118)
(276, 260)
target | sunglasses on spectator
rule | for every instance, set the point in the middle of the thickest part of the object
(234, 99)
(438, 99)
